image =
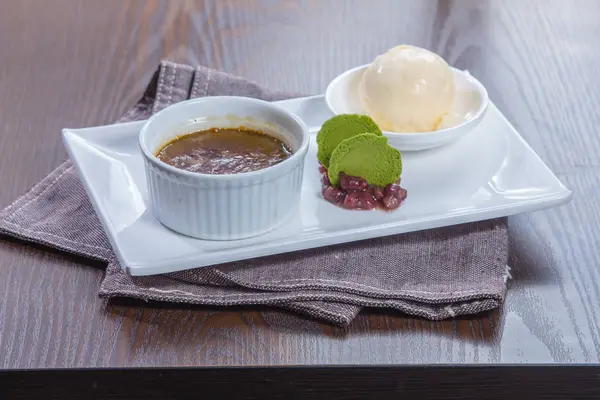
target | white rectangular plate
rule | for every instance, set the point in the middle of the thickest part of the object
(491, 172)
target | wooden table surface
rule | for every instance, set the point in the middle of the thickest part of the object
(80, 63)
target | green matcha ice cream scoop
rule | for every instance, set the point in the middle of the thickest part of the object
(367, 156)
(341, 127)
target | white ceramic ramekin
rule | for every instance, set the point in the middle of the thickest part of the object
(224, 207)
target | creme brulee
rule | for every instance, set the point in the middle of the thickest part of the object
(224, 151)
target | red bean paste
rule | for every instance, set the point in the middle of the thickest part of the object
(355, 193)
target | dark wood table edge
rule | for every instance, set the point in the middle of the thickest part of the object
(431, 381)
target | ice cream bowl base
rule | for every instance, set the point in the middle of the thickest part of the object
(470, 104)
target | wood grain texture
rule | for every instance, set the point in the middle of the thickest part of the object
(83, 63)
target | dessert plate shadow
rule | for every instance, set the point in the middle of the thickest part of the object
(490, 172)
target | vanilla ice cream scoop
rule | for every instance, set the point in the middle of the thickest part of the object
(407, 89)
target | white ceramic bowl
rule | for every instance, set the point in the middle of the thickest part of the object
(471, 102)
(224, 207)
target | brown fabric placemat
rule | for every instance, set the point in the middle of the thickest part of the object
(435, 274)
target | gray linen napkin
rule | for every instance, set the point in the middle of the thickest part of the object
(434, 274)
